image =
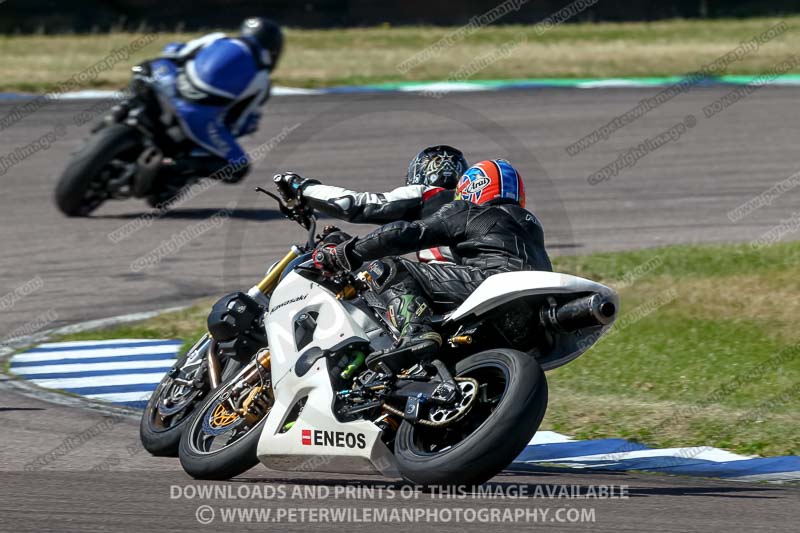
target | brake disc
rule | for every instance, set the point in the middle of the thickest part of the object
(219, 419)
(182, 402)
(178, 397)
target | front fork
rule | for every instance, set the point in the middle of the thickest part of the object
(251, 375)
(259, 292)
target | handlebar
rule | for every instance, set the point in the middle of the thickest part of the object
(283, 189)
(294, 210)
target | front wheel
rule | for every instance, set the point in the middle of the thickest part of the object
(107, 159)
(511, 402)
(221, 440)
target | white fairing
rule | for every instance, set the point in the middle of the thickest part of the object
(317, 441)
(503, 288)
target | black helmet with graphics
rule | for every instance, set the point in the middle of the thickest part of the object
(437, 166)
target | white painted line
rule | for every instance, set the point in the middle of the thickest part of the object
(85, 354)
(101, 381)
(91, 367)
(26, 388)
(710, 454)
(444, 87)
(83, 344)
(98, 94)
(292, 91)
(121, 396)
(85, 95)
(601, 84)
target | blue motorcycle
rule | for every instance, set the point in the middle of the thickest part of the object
(178, 123)
(139, 149)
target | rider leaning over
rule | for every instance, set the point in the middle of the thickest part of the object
(487, 230)
(430, 183)
(222, 82)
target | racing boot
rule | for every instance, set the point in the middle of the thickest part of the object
(411, 315)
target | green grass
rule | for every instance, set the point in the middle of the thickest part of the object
(187, 324)
(318, 58)
(718, 364)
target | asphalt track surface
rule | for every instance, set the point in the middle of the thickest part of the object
(679, 193)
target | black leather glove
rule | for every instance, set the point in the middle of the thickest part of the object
(333, 235)
(334, 258)
(291, 184)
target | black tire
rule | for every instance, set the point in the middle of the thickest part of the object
(225, 463)
(99, 150)
(496, 442)
(164, 442)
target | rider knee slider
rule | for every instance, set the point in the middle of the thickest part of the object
(382, 273)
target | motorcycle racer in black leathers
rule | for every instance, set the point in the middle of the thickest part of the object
(488, 231)
(430, 183)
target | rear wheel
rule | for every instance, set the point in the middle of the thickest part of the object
(511, 402)
(106, 161)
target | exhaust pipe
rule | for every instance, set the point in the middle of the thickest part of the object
(585, 312)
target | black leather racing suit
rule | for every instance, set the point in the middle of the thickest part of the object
(499, 236)
(409, 203)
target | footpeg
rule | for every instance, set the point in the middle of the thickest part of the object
(366, 377)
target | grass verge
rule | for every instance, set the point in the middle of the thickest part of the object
(705, 352)
(319, 58)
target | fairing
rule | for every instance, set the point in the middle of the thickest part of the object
(536, 287)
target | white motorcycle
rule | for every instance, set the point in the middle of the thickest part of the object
(307, 403)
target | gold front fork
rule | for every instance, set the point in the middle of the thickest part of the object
(263, 360)
(271, 279)
(266, 286)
